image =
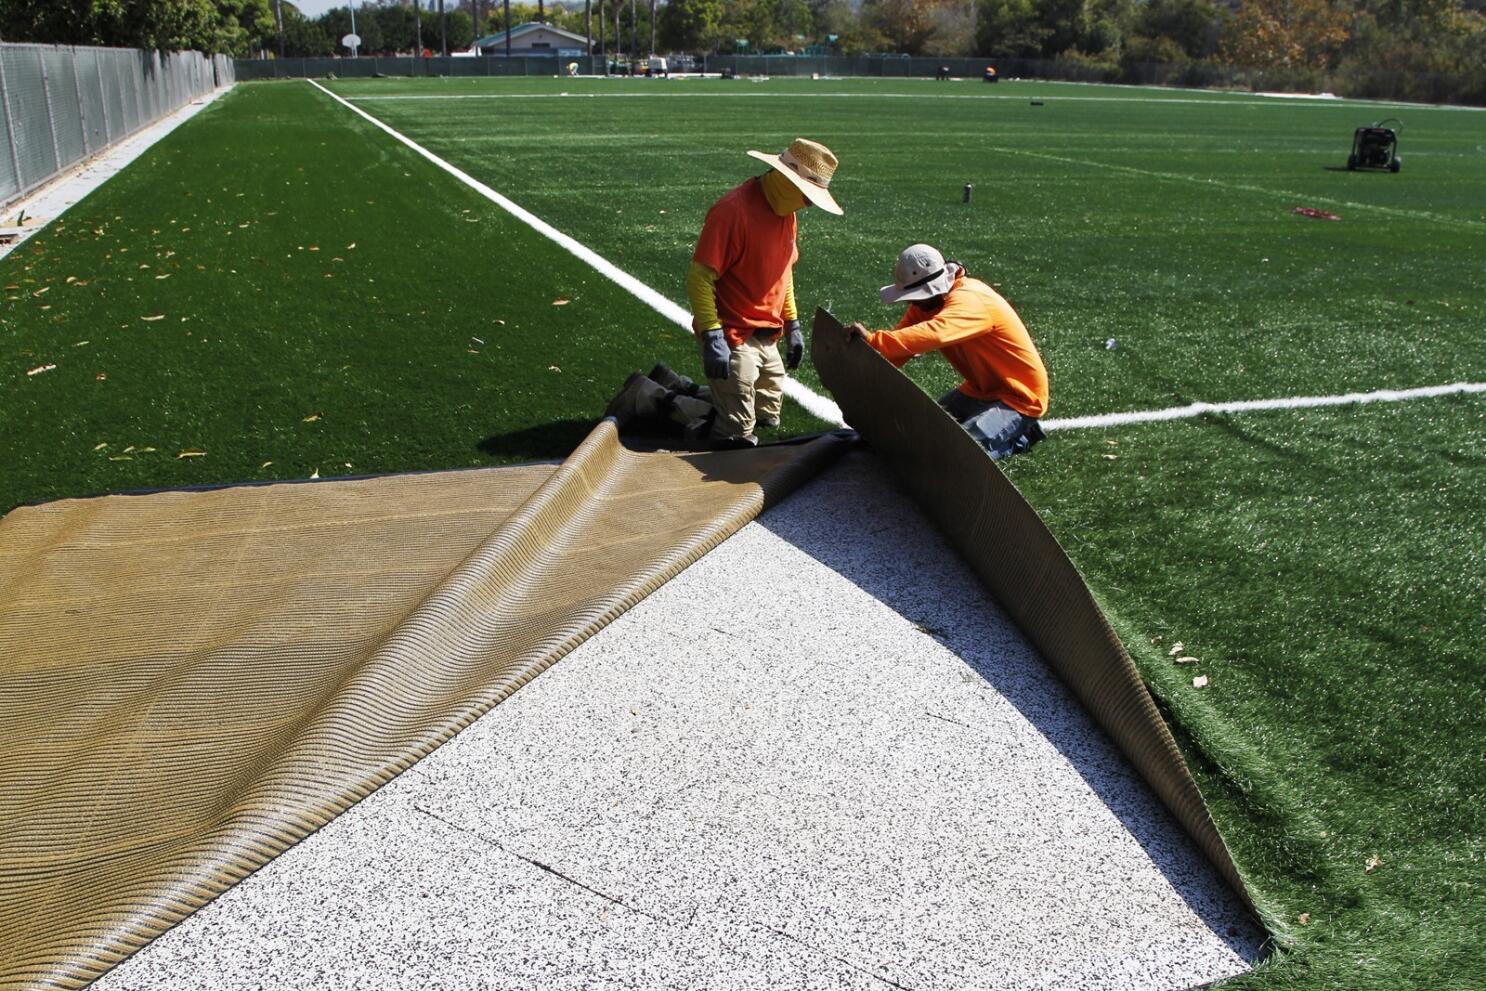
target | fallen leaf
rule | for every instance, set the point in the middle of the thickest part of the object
(1305, 918)
(157, 316)
(265, 464)
(70, 279)
(1176, 648)
(128, 450)
(41, 368)
(145, 450)
(312, 418)
(81, 344)
(1310, 211)
(477, 340)
(99, 447)
(158, 278)
(190, 454)
(314, 247)
(1186, 660)
(1110, 457)
(315, 473)
(121, 457)
(560, 302)
(351, 246)
(43, 289)
(501, 322)
(1200, 681)
(1373, 863)
(553, 368)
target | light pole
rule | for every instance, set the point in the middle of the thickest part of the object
(278, 23)
(356, 47)
(508, 30)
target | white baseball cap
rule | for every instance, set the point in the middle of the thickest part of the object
(921, 273)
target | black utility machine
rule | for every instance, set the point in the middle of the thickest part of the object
(1376, 146)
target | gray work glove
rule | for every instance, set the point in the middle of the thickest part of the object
(796, 344)
(716, 356)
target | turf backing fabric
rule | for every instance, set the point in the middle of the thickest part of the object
(191, 682)
(1020, 562)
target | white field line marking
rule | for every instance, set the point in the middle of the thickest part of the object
(834, 96)
(1244, 187)
(1252, 405)
(814, 403)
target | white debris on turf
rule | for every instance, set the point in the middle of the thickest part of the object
(40, 207)
(818, 758)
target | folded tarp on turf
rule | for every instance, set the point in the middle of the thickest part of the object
(191, 682)
(1020, 562)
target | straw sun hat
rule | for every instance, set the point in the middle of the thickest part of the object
(809, 166)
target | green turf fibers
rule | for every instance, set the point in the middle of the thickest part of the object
(1325, 566)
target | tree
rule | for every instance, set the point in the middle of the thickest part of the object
(906, 24)
(1286, 32)
(461, 31)
(1194, 25)
(1010, 29)
(691, 25)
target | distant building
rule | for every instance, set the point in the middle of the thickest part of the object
(534, 39)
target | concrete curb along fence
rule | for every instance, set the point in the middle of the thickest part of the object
(62, 104)
(1021, 564)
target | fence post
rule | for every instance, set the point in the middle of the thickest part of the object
(20, 180)
(102, 96)
(82, 114)
(51, 114)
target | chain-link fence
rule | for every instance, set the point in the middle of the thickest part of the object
(62, 104)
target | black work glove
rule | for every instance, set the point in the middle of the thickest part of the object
(716, 356)
(796, 344)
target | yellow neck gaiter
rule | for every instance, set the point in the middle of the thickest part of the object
(784, 196)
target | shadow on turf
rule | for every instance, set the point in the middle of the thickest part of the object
(868, 553)
(543, 441)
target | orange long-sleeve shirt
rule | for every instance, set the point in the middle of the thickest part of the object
(982, 337)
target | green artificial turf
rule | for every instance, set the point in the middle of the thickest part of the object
(1325, 566)
(281, 287)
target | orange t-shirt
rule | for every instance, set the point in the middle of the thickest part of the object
(751, 248)
(982, 337)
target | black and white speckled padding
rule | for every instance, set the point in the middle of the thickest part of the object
(1021, 563)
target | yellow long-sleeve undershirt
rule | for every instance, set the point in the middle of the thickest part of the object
(699, 282)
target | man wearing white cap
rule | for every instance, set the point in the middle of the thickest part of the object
(742, 291)
(1005, 389)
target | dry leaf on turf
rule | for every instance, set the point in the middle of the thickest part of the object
(1200, 681)
(1305, 918)
(560, 302)
(315, 473)
(1110, 457)
(190, 454)
(312, 418)
(1186, 660)
(553, 368)
(265, 464)
(1373, 863)
(40, 368)
(157, 316)
(99, 447)
(101, 377)
(1176, 648)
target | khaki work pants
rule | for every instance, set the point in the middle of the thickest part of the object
(754, 391)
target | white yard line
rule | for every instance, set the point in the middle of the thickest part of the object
(46, 204)
(1253, 405)
(815, 95)
(814, 403)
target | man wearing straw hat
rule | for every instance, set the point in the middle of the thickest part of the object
(1005, 388)
(742, 291)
